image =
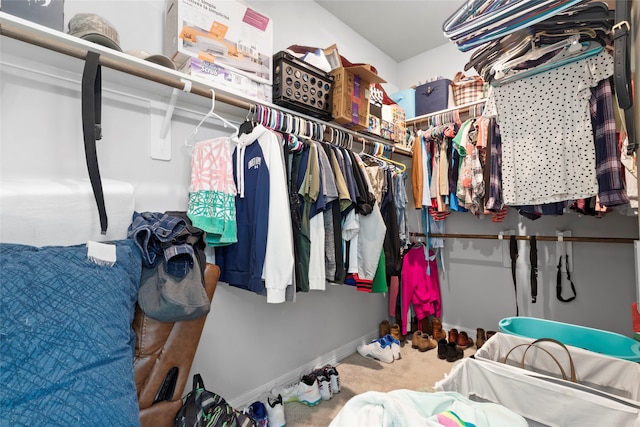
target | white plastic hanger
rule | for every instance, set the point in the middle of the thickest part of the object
(500, 68)
(211, 113)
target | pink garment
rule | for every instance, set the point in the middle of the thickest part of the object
(394, 287)
(420, 289)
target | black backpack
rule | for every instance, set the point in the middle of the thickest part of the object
(203, 408)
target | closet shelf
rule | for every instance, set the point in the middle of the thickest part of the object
(57, 41)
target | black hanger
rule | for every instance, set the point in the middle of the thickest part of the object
(248, 125)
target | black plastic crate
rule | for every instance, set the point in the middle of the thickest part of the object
(302, 87)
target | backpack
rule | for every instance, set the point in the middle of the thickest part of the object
(203, 408)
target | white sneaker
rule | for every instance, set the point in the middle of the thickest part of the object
(395, 345)
(325, 387)
(305, 391)
(275, 412)
(375, 350)
(334, 378)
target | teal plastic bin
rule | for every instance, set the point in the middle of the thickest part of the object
(596, 340)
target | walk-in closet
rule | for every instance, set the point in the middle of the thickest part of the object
(314, 236)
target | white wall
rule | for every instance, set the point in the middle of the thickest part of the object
(445, 61)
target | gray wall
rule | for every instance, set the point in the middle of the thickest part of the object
(249, 346)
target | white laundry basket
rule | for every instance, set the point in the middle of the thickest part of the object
(606, 391)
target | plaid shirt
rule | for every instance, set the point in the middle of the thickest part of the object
(611, 191)
(494, 202)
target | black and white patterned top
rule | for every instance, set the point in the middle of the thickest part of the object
(548, 152)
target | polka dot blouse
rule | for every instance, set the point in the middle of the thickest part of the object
(548, 152)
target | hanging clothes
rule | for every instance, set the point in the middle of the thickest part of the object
(212, 191)
(550, 159)
(264, 250)
(420, 285)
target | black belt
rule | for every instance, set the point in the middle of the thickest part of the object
(559, 280)
(533, 258)
(92, 128)
(622, 68)
(513, 250)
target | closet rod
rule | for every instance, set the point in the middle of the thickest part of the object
(461, 108)
(519, 237)
(71, 46)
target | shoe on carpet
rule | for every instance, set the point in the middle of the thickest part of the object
(454, 352)
(396, 333)
(375, 350)
(442, 349)
(334, 378)
(258, 413)
(453, 336)
(417, 338)
(384, 328)
(481, 337)
(275, 411)
(463, 340)
(324, 385)
(394, 343)
(305, 391)
(438, 332)
(426, 343)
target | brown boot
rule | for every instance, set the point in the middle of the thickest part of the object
(416, 341)
(481, 337)
(453, 336)
(463, 340)
(396, 333)
(425, 326)
(438, 332)
(490, 334)
(426, 343)
(384, 328)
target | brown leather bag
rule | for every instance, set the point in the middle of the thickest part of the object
(161, 346)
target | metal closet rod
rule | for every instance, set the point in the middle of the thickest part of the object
(460, 108)
(168, 78)
(520, 237)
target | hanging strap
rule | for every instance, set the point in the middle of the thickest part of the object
(513, 250)
(533, 258)
(622, 68)
(92, 128)
(559, 280)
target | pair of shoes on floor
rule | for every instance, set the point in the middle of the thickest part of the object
(461, 339)
(482, 337)
(305, 391)
(422, 342)
(385, 349)
(328, 381)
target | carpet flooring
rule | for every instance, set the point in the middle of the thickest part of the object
(416, 370)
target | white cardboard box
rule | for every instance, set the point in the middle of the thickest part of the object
(229, 79)
(230, 34)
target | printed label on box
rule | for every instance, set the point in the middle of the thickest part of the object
(227, 33)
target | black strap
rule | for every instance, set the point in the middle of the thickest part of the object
(533, 258)
(559, 281)
(197, 382)
(622, 68)
(513, 250)
(92, 128)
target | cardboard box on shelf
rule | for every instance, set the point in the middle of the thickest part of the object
(351, 93)
(236, 38)
(228, 79)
